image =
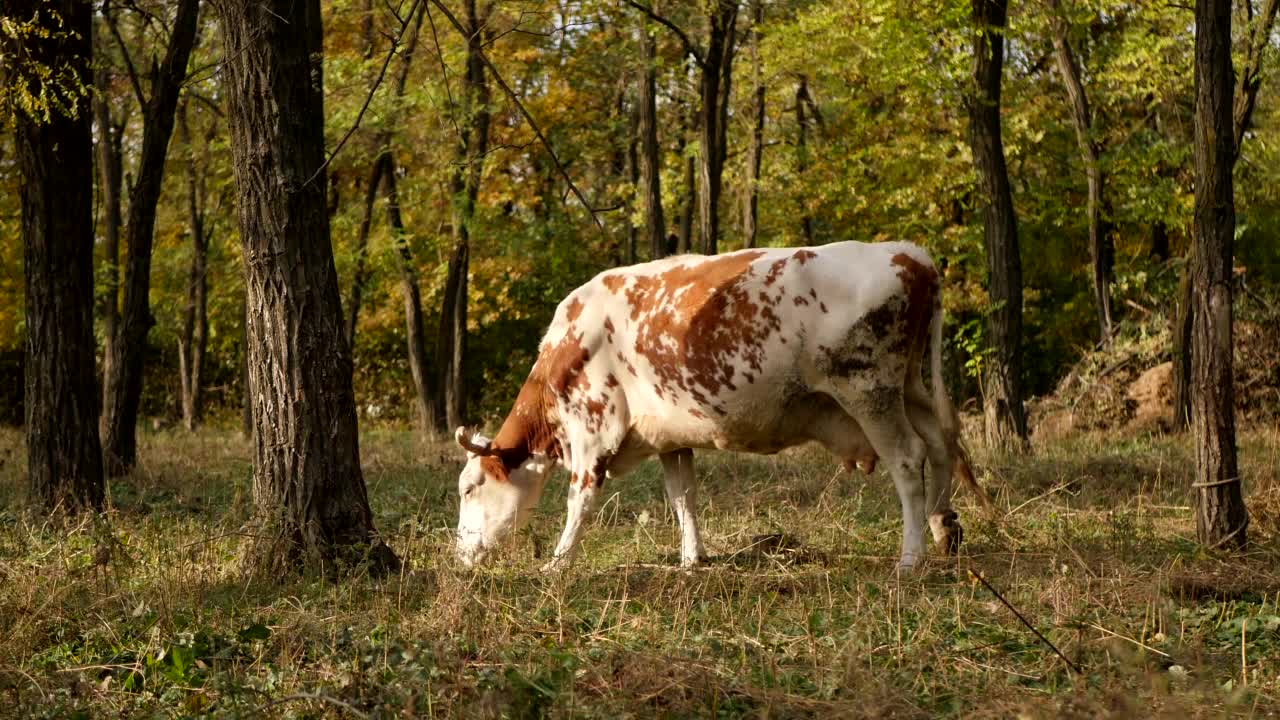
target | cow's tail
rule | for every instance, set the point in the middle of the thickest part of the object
(947, 417)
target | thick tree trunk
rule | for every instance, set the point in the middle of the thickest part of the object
(308, 487)
(110, 182)
(124, 385)
(195, 321)
(361, 274)
(451, 347)
(1221, 518)
(1005, 417)
(1101, 246)
(717, 64)
(64, 458)
(802, 153)
(755, 151)
(655, 223)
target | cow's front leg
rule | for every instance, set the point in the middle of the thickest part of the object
(681, 492)
(583, 491)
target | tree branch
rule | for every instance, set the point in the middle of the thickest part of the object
(395, 43)
(689, 45)
(128, 61)
(1250, 76)
(533, 124)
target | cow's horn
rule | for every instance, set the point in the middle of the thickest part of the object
(463, 436)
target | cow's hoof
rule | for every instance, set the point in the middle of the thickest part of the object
(947, 531)
(555, 566)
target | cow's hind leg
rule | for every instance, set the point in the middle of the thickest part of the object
(881, 411)
(677, 469)
(943, 522)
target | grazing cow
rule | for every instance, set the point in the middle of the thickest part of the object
(757, 351)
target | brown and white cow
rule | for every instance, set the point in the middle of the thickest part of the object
(757, 351)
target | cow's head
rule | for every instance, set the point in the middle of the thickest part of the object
(495, 499)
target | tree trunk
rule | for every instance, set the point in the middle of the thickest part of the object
(751, 209)
(308, 487)
(246, 404)
(689, 198)
(451, 411)
(124, 385)
(1005, 418)
(195, 321)
(1221, 518)
(64, 458)
(655, 222)
(361, 275)
(717, 63)
(1101, 246)
(110, 182)
(418, 365)
(802, 154)
(1182, 327)
(633, 176)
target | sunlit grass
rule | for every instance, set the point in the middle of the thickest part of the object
(148, 612)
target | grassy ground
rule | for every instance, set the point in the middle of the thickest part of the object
(146, 611)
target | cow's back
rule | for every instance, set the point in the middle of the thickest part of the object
(696, 351)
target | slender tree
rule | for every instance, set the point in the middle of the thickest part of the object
(1249, 81)
(1221, 517)
(1101, 245)
(655, 223)
(803, 103)
(123, 386)
(1006, 421)
(110, 182)
(308, 487)
(473, 143)
(55, 155)
(194, 338)
(755, 151)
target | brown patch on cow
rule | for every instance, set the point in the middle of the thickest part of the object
(697, 413)
(804, 256)
(611, 381)
(613, 282)
(693, 319)
(495, 468)
(750, 378)
(574, 310)
(775, 271)
(608, 329)
(920, 281)
(813, 293)
(800, 300)
(627, 363)
(823, 306)
(565, 364)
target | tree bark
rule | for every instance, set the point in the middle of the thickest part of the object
(1182, 346)
(195, 320)
(1101, 245)
(110, 180)
(64, 457)
(246, 405)
(308, 487)
(1221, 517)
(633, 176)
(419, 367)
(755, 151)
(716, 73)
(802, 153)
(123, 391)
(655, 222)
(1006, 423)
(451, 408)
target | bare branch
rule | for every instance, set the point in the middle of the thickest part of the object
(128, 61)
(689, 45)
(533, 124)
(382, 72)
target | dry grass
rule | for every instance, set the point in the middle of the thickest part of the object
(146, 612)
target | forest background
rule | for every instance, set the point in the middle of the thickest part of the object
(841, 121)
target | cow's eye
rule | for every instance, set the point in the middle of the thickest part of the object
(468, 491)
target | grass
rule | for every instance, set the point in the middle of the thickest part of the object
(147, 612)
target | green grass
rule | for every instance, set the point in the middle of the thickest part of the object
(148, 612)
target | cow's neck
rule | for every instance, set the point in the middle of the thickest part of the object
(528, 429)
